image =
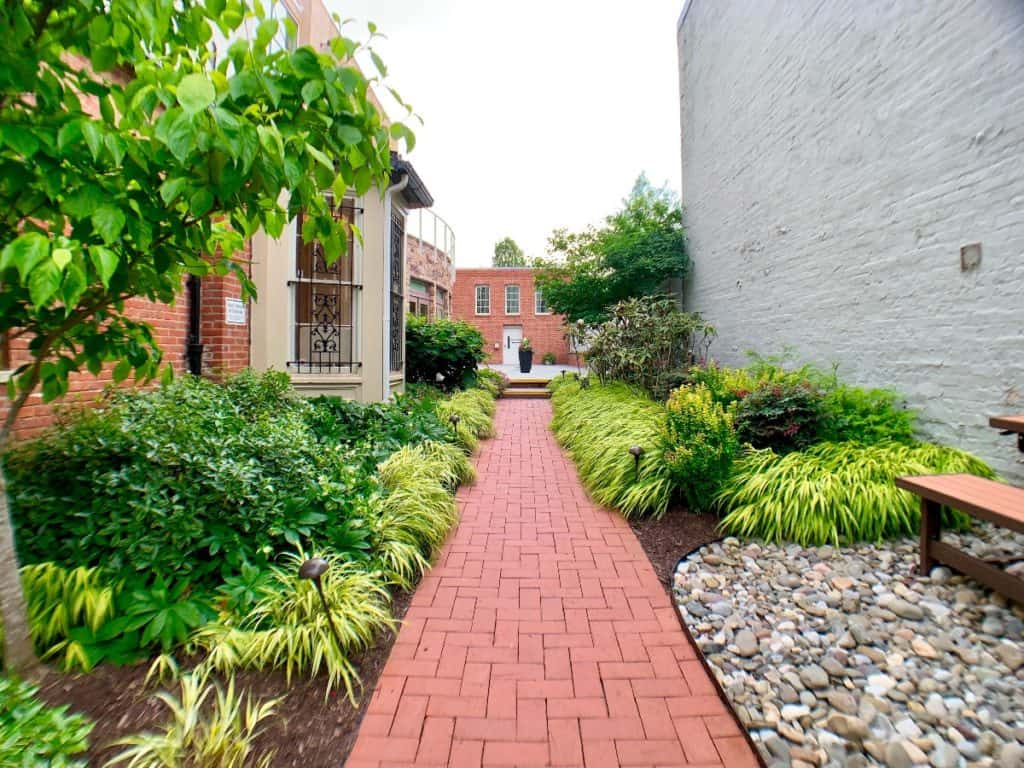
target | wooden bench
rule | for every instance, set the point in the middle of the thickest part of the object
(997, 503)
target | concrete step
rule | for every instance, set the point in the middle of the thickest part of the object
(524, 392)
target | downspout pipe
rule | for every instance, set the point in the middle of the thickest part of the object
(386, 357)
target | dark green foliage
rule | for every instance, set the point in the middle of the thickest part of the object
(33, 735)
(647, 343)
(189, 481)
(702, 445)
(376, 430)
(836, 492)
(492, 381)
(866, 416)
(449, 348)
(782, 416)
(598, 425)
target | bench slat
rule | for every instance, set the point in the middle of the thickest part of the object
(985, 499)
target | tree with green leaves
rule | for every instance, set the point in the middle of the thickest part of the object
(635, 253)
(133, 152)
(507, 253)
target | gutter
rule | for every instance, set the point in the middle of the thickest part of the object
(386, 356)
(682, 15)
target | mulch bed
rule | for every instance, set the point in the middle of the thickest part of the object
(674, 536)
(308, 730)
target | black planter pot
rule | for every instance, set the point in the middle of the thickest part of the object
(525, 360)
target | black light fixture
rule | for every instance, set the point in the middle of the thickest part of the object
(313, 569)
(636, 452)
(454, 419)
(585, 382)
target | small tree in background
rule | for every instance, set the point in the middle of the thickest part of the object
(635, 253)
(507, 253)
(179, 157)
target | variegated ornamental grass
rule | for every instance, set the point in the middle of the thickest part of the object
(835, 493)
(475, 409)
(598, 426)
(209, 727)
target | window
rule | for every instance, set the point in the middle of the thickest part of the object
(511, 299)
(397, 290)
(539, 307)
(324, 296)
(442, 302)
(284, 40)
(483, 299)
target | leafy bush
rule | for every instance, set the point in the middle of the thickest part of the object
(186, 482)
(836, 492)
(648, 343)
(451, 348)
(598, 426)
(702, 444)
(287, 628)
(549, 358)
(33, 734)
(210, 727)
(866, 416)
(781, 416)
(376, 430)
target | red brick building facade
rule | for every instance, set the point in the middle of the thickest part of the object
(225, 347)
(504, 304)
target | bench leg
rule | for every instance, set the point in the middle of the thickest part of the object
(931, 530)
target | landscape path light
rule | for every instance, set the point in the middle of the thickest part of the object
(313, 569)
(636, 451)
(454, 419)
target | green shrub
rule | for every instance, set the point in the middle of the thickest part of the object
(287, 628)
(865, 416)
(186, 482)
(34, 735)
(549, 358)
(835, 492)
(701, 442)
(782, 416)
(598, 426)
(647, 343)
(210, 727)
(449, 348)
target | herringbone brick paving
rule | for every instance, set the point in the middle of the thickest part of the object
(542, 636)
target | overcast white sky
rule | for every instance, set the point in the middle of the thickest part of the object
(536, 114)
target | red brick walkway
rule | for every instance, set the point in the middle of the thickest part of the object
(542, 636)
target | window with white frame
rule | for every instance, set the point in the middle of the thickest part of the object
(483, 299)
(539, 305)
(511, 299)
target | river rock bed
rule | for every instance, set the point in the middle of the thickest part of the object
(842, 657)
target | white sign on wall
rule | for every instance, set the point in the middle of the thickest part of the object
(234, 311)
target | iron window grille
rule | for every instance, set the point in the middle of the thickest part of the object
(324, 301)
(397, 290)
(483, 299)
(511, 299)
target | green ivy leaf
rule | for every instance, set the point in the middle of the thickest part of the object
(24, 253)
(349, 135)
(196, 93)
(61, 257)
(109, 222)
(105, 261)
(44, 282)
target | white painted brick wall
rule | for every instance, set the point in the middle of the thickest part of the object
(836, 155)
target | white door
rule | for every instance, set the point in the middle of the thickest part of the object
(513, 334)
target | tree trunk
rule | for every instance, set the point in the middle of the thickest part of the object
(19, 654)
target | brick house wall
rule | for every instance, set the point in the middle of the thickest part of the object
(832, 173)
(545, 331)
(226, 350)
(428, 264)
